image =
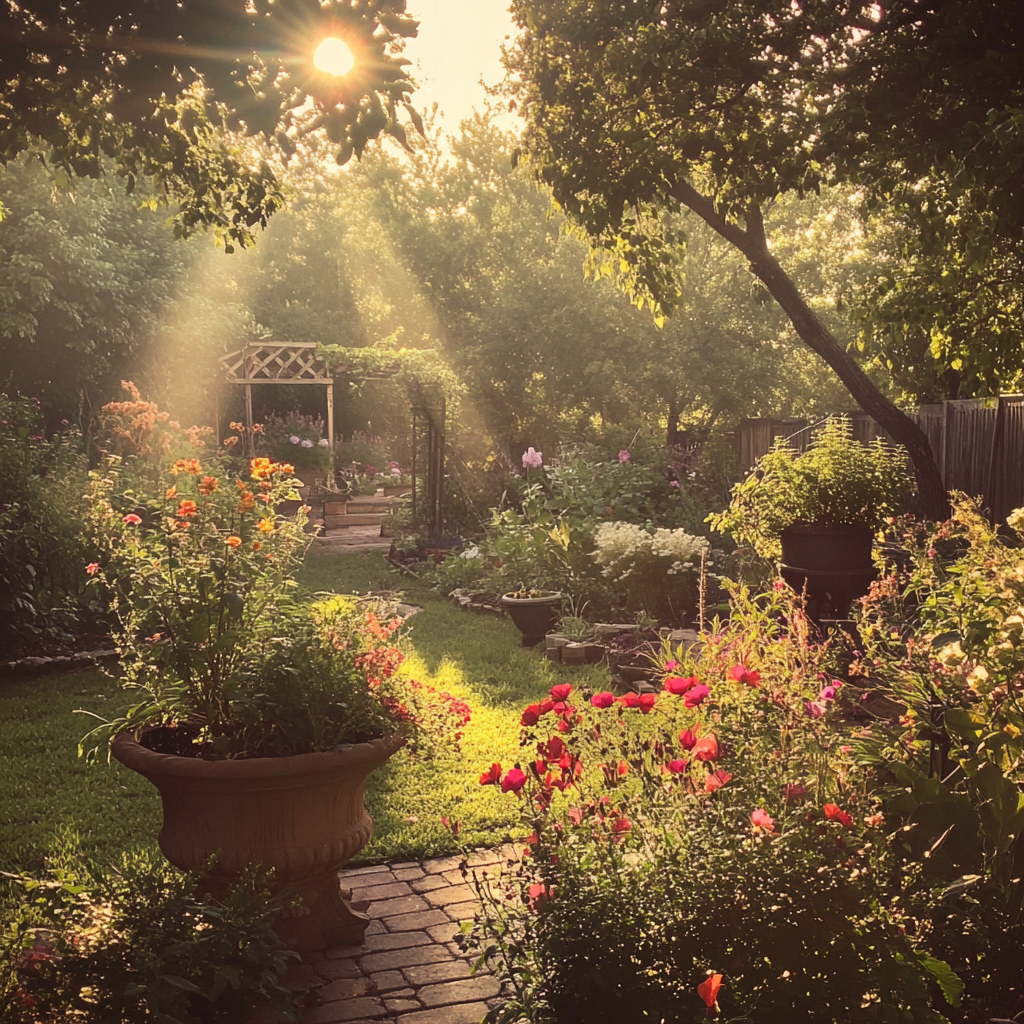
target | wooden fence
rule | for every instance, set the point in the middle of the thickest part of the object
(978, 445)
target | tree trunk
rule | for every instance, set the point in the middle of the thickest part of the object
(672, 435)
(753, 244)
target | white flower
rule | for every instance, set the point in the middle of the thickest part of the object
(324, 443)
(293, 439)
(1015, 520)
(306, 443)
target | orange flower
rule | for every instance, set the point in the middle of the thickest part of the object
(229, 441)
(187, 466)
(208, 485)
(171, 492)
(286, 468)
(232, 542)
(256, 545)
(237, 426)
(247, 503)
(187, 509)
(265, 526)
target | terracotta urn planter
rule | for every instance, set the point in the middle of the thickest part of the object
(303, 816)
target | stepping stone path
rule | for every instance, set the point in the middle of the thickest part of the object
(409, 969)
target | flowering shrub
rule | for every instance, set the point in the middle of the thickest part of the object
(133, 943)
(710, 846)
(657, 570)
(299, 440)
(944, 641)
(198, 572)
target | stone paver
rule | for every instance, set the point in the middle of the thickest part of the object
(400, 905)
(467, 1013)
(465, 991)
(408, 969)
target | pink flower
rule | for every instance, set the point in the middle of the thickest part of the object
(746, 676)
(620, 826)
(561, 692)
(92, 568)
(532, 458)
(695, 695)
(538, 893)
(514, 781)
(716, 780)
(624, 455)
(814, 708)
(678, 685)
(761, 819)
(132, 519)
(794, 791)
(673, 483)
(688, 738)
(603, 700)
(492, 776)
(708, 990)
(827, 693)
(671, 666)
(677, 767)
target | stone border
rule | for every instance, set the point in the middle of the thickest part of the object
(29, 667)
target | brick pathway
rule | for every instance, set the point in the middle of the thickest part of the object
(408, 970)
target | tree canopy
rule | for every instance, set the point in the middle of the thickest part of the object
(638, 106)
(152, 85)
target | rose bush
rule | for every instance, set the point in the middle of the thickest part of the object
(711, 845)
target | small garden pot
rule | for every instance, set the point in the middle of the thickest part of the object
(533, 616)
(303, 816)
(833, 563)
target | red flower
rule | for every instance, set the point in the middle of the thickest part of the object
(92, 568)
(835, 813)
(707, 749)
(746, 676)
(187, 509)
(132, 519)
(603, 700)
(688, 738)
(562, 691)
(491, 777)
(644, 701)
(514, 781)
(794, 792)
(716, 780)
(761, 819)
(708, 990)
(539, 893)
(620, 826)
(532, 714)
(679, 685)
(695, 695)
(553, 749)
(677, 767)
(611, 773)
(575, 815)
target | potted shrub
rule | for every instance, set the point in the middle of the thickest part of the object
(818, 511)
(258, 718)
(534, 612)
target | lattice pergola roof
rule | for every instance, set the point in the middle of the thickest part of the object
(291, 362)
(276, 362)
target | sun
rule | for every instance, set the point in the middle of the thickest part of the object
(333, 57)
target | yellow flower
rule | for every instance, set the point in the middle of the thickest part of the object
(266, 526)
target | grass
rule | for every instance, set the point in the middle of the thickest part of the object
(45, 790)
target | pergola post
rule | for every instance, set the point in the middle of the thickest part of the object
(330, 431)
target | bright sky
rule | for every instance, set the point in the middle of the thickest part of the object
(459, 42)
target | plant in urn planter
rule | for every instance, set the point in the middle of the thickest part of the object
(818, 511)
(259, 718)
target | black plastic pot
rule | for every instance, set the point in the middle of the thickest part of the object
(534, 616)
(832, 563)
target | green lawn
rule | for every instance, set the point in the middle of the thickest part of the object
(45, 789)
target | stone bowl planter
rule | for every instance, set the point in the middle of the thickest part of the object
(534, 616)
(303, 816)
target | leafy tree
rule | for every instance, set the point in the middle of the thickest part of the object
(722, 107)
(152, 86)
